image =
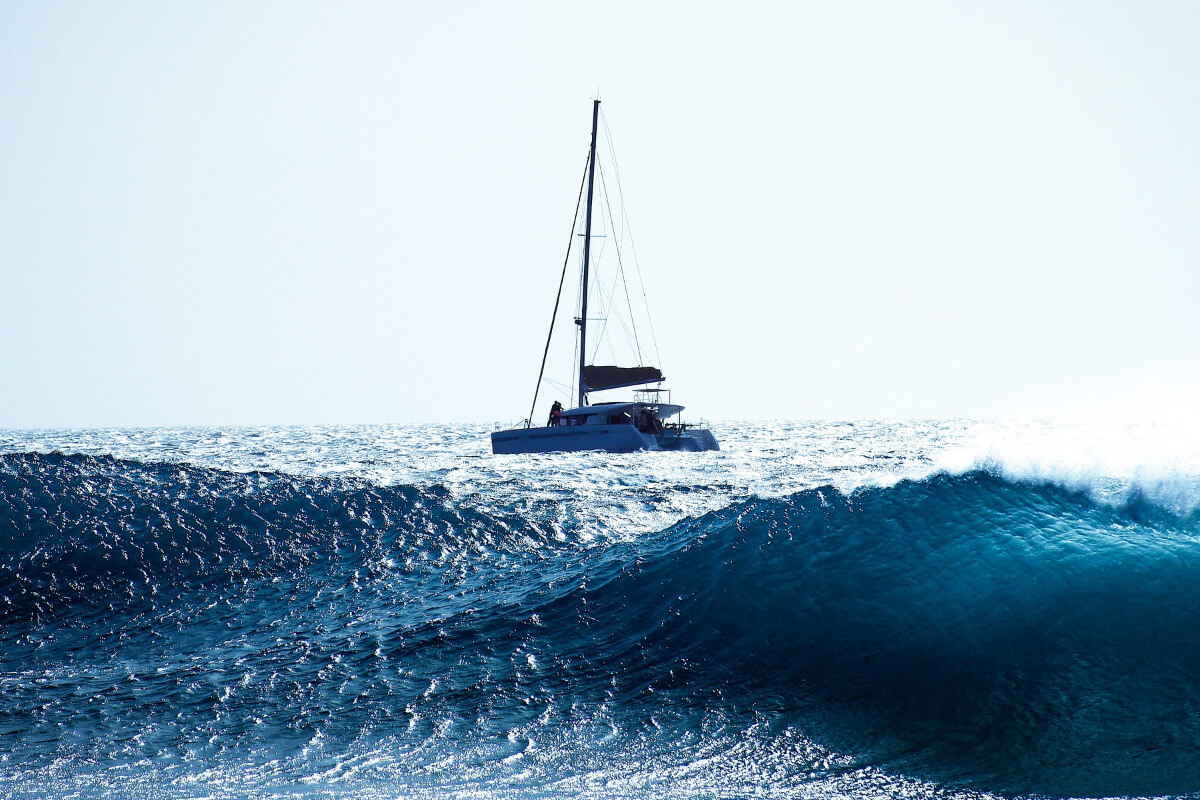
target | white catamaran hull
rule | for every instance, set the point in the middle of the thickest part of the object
(612, 438)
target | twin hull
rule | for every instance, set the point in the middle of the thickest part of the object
(612, 438)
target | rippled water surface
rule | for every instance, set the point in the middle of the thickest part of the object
(866, 609)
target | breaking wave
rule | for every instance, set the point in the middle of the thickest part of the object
(968, 630)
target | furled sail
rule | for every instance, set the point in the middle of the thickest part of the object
(598, 378)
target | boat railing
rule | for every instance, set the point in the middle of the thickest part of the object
(681, 426)
(652, 396)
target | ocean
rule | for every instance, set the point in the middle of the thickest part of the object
(934, 609)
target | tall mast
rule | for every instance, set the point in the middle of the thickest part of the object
(587, 250)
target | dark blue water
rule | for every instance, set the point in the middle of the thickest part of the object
(178, 630)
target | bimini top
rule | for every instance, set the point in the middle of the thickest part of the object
(599, 378)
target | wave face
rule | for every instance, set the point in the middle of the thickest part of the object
(1010, 636)
(173, 630)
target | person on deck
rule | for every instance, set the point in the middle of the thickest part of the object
(556, 415)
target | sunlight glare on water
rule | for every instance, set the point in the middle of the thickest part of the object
(820, 609)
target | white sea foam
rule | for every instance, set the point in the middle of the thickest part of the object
(598, 497)
(1110, 458)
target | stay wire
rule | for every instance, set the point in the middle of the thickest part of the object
(627, 228)
(637, 345)
(558, 297)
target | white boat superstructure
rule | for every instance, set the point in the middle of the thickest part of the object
(618, 427)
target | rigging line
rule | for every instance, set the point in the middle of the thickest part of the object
(562, 387)
(608, 295)
(574, 373)
(604, 295)
(600, 294)
(642, 284)
(599, 310)
(637, 344)
(612, 153)
(558, 297)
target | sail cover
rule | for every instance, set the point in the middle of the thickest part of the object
(598, 378)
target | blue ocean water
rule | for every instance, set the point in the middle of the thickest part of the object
(942, 609)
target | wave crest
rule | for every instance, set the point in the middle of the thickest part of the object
(1009, 634)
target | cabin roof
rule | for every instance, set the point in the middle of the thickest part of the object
(660, 410)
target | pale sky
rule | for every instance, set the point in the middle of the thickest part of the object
(289, 212)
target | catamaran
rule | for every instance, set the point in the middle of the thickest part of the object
(648, 422)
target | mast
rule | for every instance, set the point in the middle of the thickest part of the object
(587, 249)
